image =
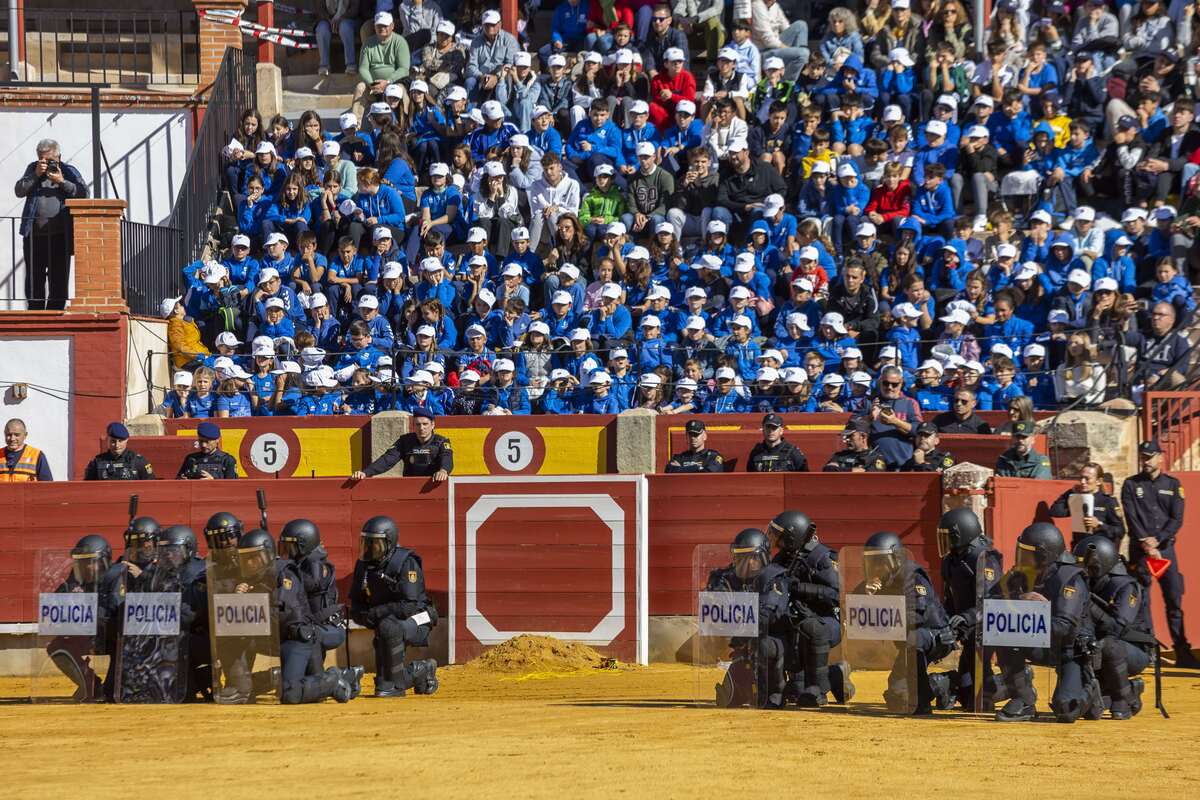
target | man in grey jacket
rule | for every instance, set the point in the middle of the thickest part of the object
(491, 52)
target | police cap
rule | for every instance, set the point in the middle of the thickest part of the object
(926, 429)
(118, 431)
(423, 412)
(772, 421)
(858, 425)
(1023, 428)
(695, 426)
(208, 430)
(1149, 448)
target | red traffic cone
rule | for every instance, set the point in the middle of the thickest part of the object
(1158, 566)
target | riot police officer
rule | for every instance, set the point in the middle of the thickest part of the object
(888, 571)
(297, 632)
(697, 458)
(751, 571)
(926, 456)
(177, 548)
(209, 462)
(813, 612)
(387, 595)
(118, 462)
(424, 453)
(141, 552)
(300, 543)
(1044, 570)
(858, 455)
(774, 453)
(1153, 504)
(969, 564)
(91, 560)
(1105, 518)
(1121, 616)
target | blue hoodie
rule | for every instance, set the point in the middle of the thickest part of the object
(867, 85)
(605, 140)
(569, 24)
(1010, 133)
(934, 207)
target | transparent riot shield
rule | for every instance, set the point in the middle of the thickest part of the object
(876, 638)
(243, 631)
(1012, 642)
(725, 652)
(70, 658)
(151, 647)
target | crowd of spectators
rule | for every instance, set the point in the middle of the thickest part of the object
(710, 207)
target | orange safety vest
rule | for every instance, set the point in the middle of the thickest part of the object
(26, 468)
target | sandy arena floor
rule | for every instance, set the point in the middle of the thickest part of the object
(633, 733)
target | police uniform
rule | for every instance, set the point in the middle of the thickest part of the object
(961, 585)
(849, 459)
(1107, 511)
(781, 457)
(1012, 464)
(318, 578)
(421, 459)
(390, 599)
(932, 638)
(71, 654)
(1154, 509)
(706, 460)
(1124, 633)
(771, 585)
(299, 639)
(129, 466)
(219, 464)
(814, 588)
(1072, 639)
(935, 461)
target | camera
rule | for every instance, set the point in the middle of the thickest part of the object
(52, 166)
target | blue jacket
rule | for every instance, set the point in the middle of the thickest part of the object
(945, 154)
(934, 207)
(481, 140)
(1011, 134)
(548, 141)
(387, 206)
(616, 325)
(512, 397)
(1122, 270)
(605, 140)
(569, 24)
(842, 197)
(250, 217)
(36, 188)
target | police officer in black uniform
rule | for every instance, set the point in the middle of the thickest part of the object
(132, 572)
(926, 456)
(424, 453)
(930, 638)
(300, 543)
(1121, 616)
(752, 571)
(221, 534)
(1106, 517)
(209, 462)
(858, 455)
(118, 462)
(387, 595)
(91, 560)
(177, 547)
(697, 458)
(774, 453)
(969, 563)
(1046, 570)
(1153, 504)
(298, 633)
(814, 586)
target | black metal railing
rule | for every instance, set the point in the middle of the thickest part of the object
(151, 258)
(116, 46)
(34, 270)
(233, 91)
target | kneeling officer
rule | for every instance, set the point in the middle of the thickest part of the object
(387, 595)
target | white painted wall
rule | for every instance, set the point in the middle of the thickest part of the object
(145, 334)
(147, 152)
(44, 363)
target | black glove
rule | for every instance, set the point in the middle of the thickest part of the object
(947, 637)
(1085, 644)
(958, 624)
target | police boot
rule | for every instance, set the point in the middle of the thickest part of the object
(942, 686)
(1095, 701)
(816, 670)
(839, 682)
(354, 677)
(343, 689)
(265, 682)
(423, 676)
(1021, 706)
(1184, 658)
(1136, 687)
(88, 687)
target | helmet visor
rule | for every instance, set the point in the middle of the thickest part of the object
(172, 555)
(141, 550)
(289, 547)
(748, 564)
(253, 561)
(222, 538)
(373, 549)
(879, 564)
(86, 567)
(945, 544)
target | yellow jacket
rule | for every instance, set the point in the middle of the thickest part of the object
(183, 341)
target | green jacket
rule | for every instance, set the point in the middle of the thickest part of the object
(384, 60)
(609, 205)
(1012, 465)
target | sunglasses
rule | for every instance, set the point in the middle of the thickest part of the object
(891, 384)
(962, 402)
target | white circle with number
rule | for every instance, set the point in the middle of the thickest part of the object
(514, 451)
(269, 453)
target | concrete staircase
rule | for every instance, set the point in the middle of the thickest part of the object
(328, 95)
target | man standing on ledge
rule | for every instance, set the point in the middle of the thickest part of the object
(425, 454)
(23, 463)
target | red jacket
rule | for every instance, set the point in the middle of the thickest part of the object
(890, 205)
(682, 86)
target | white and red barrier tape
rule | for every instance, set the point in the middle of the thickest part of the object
(285, 37)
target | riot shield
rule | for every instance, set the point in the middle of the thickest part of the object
(243, 632)
(725, 653)
(69, 658)
(877, 626)
(151, 648)
(1012, 641)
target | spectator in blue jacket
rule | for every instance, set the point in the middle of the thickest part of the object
(568, 29)
(933, 205)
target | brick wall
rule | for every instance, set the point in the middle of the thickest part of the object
(97, 225)
(216, 37)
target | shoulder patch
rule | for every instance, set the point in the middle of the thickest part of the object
(1132, 600)
(921, 590)
(150, 471)
(1068, 591)
(717, 457)
(947, 462)
(989, 573)
(880, 465)
(412, 576)
(287, 583)
(1180, 492)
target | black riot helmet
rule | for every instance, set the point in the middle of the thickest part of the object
(958, 528)
(1097, 555)
(883, 555)
(378, 539)
(91, 557)
(299, 538)
(751, 550)
(141, 540)
(222, 531)
(1039, 546)
(176, 544)
(256, 553)
(792, 531)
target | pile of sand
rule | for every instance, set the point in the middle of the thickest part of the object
(528, 653)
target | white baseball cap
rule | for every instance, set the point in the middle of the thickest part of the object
(740, 293)
(809, 253)
(570, 271)
(744, 263)
(167, 307)
(638, 253)
(1106, 285)
(740, 321)
(1058, 316)
(1028, 270)
(685, 385)
(263, 349)
(561, 298)
(673, 54)
(846, 170)
(686, 107)
(556, 60)
(865, 229)
(264, 147)
(368, 301)
(798, 320)
(267, 274)
(695, 292)
(889, 352)
(304, 152)
(1033, 351)
(772, 204)
(935, 127)
(893, 113)
(275, 238)
(651, 321)
(493, 110)
(214, 273)
(599, 378)
(906, 310)
(773, 62)
(618, 353)
(1041, 215)
(540, 327)
(486, 296)
(611, 291)
(473, 331)
(1080, 277)
(330, 148)
(513, 270)
(349, 120)
(803, 284)
(392, 269)
(491, 17)
(768, 374)
(646, 149)
(737, 146)
(418, 86)
(520, 234)
(772, 354)
(957, 315)
(504, 365)
(181, 378)
(821, 168)
(240, 240)
(603, 169)
(716, 226)
(427, 330)
(493, 169)
(985, 100)
(933, 364)
(794, 375)
(1006, 250)
(725, 373)
(851, 352)
(695, 323)
(522, 59)
(1001, 349)
(380, 233)
(834, 320)
(978, 132)
(395, 90)
(469, 375)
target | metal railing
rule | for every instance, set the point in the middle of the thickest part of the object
(37, 267)
(121, 47)
(1173, 418)
(234, 90)
(150, 255)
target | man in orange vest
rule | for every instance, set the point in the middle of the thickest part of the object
(22, 462)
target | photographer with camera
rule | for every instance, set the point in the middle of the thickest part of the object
(46, 226)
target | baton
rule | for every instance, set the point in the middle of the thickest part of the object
(1158, 703)
(262, 509)
(346, 623)
(133, 507)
